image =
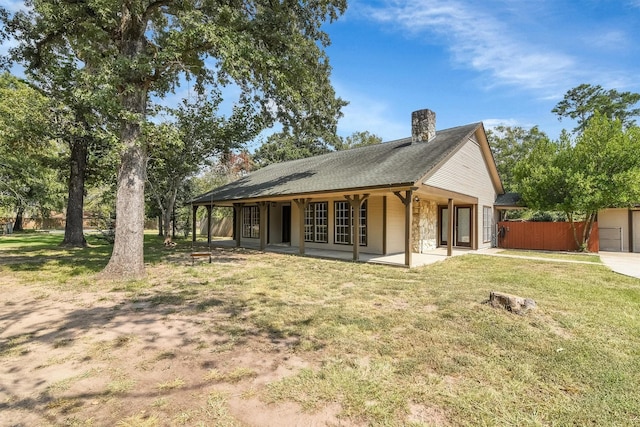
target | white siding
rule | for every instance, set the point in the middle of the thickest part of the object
(395, 225)
(613, 226)
(466, 172)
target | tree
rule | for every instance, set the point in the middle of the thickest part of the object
(284, 146)
(509, 145)
(178, 149)
(68, 118)
(28, 156)
(600, 169)
(581, 102)
(225, 169)
(358, 139)
(272, 51)
(89, 138)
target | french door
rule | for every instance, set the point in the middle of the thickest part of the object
(462, 225)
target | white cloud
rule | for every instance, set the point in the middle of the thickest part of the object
(480, 41)
(610, 40)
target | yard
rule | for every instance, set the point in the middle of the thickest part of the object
(258, 339)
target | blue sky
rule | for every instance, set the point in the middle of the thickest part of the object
(496, 61)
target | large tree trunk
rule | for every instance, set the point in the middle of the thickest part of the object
(168, 213)
(127, 258)
(18, 223)
(573, 229)
(73, 229)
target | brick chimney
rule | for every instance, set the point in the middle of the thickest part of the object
(423, 125)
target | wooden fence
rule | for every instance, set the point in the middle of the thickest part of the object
(549, 236)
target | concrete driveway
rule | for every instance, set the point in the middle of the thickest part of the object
(622, 262)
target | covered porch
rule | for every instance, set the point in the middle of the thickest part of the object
(406, 226)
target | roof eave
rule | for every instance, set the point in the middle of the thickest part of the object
(328, 193)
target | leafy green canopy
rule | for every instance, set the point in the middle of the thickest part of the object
(509, 145)
(600, 169)
(28, 155)
(284, 146)
(581, 102)
(188, 138)
(127, 51)
(271, 50)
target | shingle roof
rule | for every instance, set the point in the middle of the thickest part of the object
(389, 164)
(509, 200)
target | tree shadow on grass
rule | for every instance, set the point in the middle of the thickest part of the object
(227, 326)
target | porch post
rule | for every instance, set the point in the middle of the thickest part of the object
(302, 206)
(408, 228)
(193, 228)
(356, 202)
(237, 209)
(209, 209)
(384, 225)
(407, 200)
(450, 229)
(263, 224)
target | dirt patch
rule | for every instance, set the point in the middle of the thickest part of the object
(96, 358)
(427, 415)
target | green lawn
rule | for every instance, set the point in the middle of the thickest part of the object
(563, 256)
(393, 346)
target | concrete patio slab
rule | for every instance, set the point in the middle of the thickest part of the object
(396, 259)
(622, 262)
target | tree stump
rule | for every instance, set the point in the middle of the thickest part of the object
(512, 303)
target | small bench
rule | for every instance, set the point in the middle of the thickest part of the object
(195, 255)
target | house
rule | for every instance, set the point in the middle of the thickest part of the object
(619, 229)
(412, 195)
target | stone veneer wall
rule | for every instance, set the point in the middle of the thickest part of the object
(425, 226)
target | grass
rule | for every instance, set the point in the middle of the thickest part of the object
(170, 385)
(41, 253)
(389, 345)
(564, 256)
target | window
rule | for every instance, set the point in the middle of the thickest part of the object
(487, 223)
(344, 223)
(251, 222)
(363, 224)
(315, 222)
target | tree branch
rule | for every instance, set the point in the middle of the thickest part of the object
(153, 6)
